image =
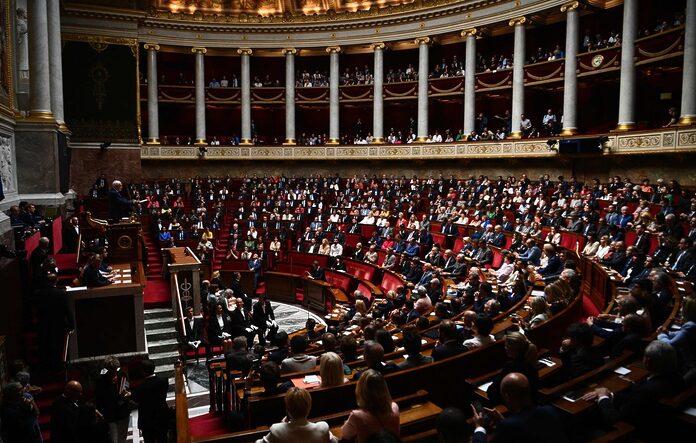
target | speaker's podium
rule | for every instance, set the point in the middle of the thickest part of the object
(109, 320)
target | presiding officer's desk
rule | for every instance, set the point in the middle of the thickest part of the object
(109, 319)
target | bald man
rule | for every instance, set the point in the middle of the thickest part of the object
(525, 421)
(65, 414)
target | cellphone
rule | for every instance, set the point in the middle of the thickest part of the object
(478, 406)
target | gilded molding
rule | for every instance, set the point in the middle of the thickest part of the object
(151, 46)
(245, 51)
(332, 49)
(287, 51)
(469, 32)
(101, 39)
(379, 45)
(422, 40)
(198, 49)
(518, 21)
(570, 6)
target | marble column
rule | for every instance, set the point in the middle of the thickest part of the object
(627, 86)
(246, 96)
(55, 62)
(423, 70)
(289, 95)
(334, 134)
(201, 138)
(570, 76)
(39, 67)
(378, 94)
(519, 58)
(470, 81)
(688, 103)
(152, 94)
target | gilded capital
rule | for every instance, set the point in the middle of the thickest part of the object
(199, 50)
(422, 40)
(379, 45)
(469, 32)
(332, 49)
(570, 6)
(518, 21)
(287, 51)
(244, 51)
(151, 46)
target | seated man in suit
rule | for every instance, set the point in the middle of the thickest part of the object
(524, 422)
(194, 333)
(91, 274)
(239, 358)
(241, 322)
(299, 361)
(533, 253)
(639, 404)
(449, 343)
(316, 272)
(374, 354)
(577, 353)
(264, 319)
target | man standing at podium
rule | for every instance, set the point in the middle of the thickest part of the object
(119, 206)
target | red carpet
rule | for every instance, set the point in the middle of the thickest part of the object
(207, 425)
(156, 294)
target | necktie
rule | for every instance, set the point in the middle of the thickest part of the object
(676, 263)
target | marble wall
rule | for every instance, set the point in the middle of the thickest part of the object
(38, 170)
(88, 162)
(8, 162)
(678, 166)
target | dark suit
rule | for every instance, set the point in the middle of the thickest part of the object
(642, 244)
(153, 412)
(195, 333)
(536, 424)
(553, 267)
(38, 257)
(119, 206)
(498, 240)
(578, 362)
(91, 277)
(65, 415)
(215, 331)
(54, 319)
(317, 273)
(262, 313)
(448, 349)
(615, 261)
(70, 239)
(449, 229)
(240, 323)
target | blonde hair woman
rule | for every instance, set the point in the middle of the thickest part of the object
(325, 247)
(540, 311)
(376, 410)
(295, 426)
(331, 370)
(360, 311)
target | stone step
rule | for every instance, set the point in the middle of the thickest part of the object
(158, 313)
(166, 371)
(159, 334)
(157, 323)
(164, 358)
(157, 346)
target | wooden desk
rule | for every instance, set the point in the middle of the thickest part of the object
(184, 263)
(109, 319)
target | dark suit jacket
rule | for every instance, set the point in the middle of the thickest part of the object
(578, 362)
(195, 333)
(70, 239)
(119, 206)
(91, 277)
(553, 267)
(537, 424)
(239, 322)
(38, 256)
(261, 314)
(642, 244)
(151, 397)
(214, 329)
(498, 240)
(64, 421)
(317, 273)
(448, 349)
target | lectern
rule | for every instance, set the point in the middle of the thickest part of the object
(185, 270)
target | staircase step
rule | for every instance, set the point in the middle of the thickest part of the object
(156, 323)
(165, 371)
(158, 313)
(168, 345)
(161, 334)
(164, 358)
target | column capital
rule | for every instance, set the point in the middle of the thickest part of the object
(245, 51)
(518, 21)
(332, 49)
(471, 32)
(378, 45)
(422, 40)
(199, 50)
(570, 6)
(151, 47)
(287, 51)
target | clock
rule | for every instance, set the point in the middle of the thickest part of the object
(597, 60)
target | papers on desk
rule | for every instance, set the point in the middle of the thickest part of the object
(674, 327)
(690, 411)
(484, 386)
(547, 362)
(574, 396)
(537, 293)
(75, 288)
(622, 371)
(309, 379)
(424, 341)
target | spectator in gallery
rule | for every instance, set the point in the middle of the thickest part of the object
(549, 122)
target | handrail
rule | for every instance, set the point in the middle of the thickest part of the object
(183, 434)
